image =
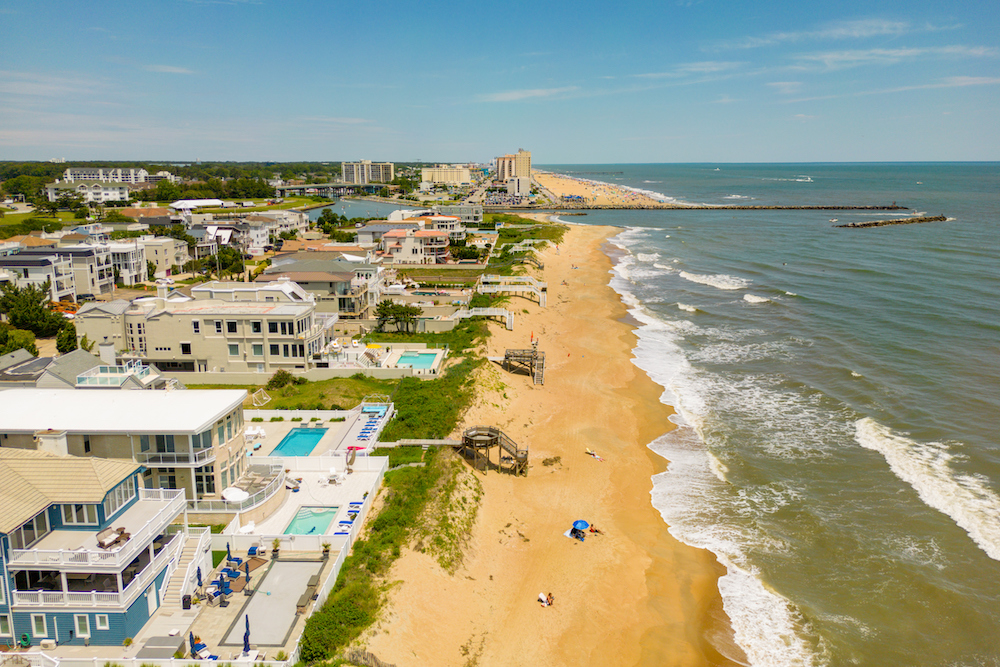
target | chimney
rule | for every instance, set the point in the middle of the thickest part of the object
(106, 350)
(52, 441)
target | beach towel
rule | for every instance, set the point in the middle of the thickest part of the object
(594, 454)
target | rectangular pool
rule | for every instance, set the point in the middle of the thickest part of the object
(421, 360)
(311, 520)
(299, 442)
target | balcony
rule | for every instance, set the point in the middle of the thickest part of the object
(77, 550)
(145, 574)
(259, 481)
(185, 459)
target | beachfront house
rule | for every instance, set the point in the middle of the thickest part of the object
(85, 551)
(190, 440)
(423, 246)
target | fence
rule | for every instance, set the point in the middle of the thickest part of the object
(227, 506)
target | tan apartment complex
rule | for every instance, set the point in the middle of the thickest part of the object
(367, 171)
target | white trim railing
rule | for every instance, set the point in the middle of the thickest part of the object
(190, 581)
(102, 598)
(226, 506)
(112, 559)
(36, 659)
(195, 458)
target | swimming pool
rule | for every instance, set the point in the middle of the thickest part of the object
(311, 521)
(299, 442)
(422, 360)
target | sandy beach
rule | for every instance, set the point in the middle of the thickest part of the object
(597, 194)
(631, 596)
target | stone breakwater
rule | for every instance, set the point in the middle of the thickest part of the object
(897, 221)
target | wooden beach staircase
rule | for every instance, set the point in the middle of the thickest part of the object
(507, 315)
(531, 359)
(478, 441)
(525, 286)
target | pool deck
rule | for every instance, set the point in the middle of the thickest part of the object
(338, 437)
(313, 492)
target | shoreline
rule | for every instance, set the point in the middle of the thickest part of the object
(634, 595)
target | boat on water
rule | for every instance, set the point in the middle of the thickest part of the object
(833, 220)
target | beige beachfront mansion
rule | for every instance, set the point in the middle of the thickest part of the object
(221, 327)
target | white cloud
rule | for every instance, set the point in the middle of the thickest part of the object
(786, 87)
(687, 69)
(949, 82)
(517, 95)
(840, 30)
(168, 69)
(857, 57)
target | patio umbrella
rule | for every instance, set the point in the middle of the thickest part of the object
(229, 556)
(191, 639)
(580, 524)
(246, 636)
(198, 572)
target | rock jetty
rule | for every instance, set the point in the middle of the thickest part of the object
(897, 221)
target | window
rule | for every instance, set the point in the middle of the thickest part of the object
(5, 630)
(143, 443)
(38, 625)
(185, 348)
(165, 444)
(218, 326)
(79, 514)
(234, 350)
(231, 326)
(255, 326)
(229, 428)
(86, 444)
(196, 326)
(257, 350)
(202, 440)
(225, 477)
(102, 622)
(32, 531)
(222, 432)
(204, 480)
(272, 327)
(167, 478)
(118, 496)
(275, 350)
(82, 623)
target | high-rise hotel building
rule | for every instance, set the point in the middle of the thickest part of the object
(512, 166)
(367, 171)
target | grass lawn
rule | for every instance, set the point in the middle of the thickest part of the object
(334, 394)
(15, 218)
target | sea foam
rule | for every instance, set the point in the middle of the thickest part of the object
(687, 308)
(752, 298)
(966, 499)
(719, 281)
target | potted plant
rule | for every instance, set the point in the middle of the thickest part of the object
(275, 546)
(326, 550)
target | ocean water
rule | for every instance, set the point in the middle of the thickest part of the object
(838, 398)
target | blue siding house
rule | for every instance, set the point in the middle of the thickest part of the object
(85, 552)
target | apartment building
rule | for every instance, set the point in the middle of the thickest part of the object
(84, 549)
(446, 175)
(422, 246)
(512, 166)
(116, 175)
(128, 260)
(165, 252)
(90, 191)
(30, 269)
(93, 272)
(366, 171)
(221, 327)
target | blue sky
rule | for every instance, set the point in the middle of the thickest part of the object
(581, 82)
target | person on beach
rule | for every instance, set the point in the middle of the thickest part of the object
(595, 529)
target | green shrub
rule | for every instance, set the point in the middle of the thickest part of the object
(338, 419)
(280, 379)
(257, 419)
(296, 419)
(277, 419)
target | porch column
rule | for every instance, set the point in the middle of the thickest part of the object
(121, 586)
(65, 585)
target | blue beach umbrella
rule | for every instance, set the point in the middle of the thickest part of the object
(229, 556)
(191, 639)
(580, 524)
(246, 568)
(198, 572)
(246, 636)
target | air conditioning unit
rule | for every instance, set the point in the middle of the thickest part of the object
(47, 644)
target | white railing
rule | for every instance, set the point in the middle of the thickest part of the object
(135, 662)
(102, 598)
(201, 457)
(253, 501)
(114, 559)
(362, 462)
(190, 581)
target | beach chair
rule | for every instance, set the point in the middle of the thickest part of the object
(256, 551)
